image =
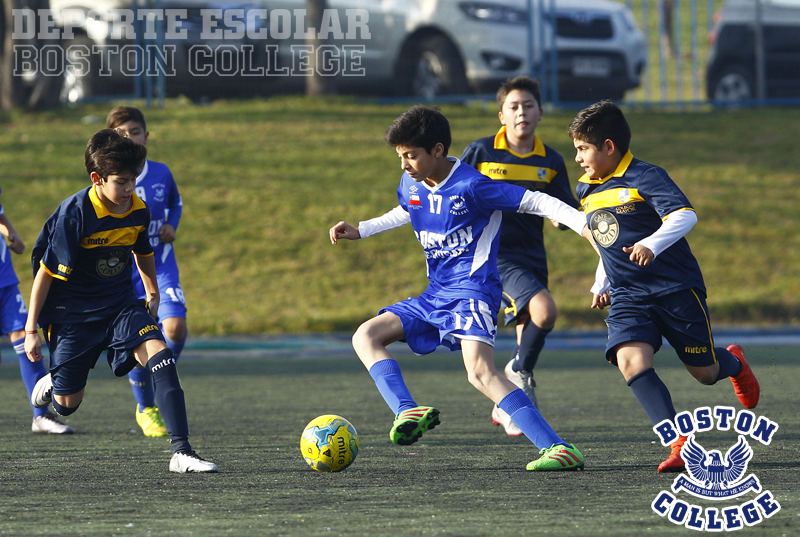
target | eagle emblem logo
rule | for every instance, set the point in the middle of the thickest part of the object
(714, 477)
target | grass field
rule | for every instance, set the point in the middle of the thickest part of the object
(466, 478)
(264, 180)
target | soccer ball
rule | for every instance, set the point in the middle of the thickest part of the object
(329, 443)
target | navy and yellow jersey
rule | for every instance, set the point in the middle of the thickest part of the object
(87, 251)
(626, 207)
(521, 239)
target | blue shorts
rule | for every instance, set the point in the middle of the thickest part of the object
(520, 285)
(75, 347)
(173, 301)
(13, 313)
(429, 321)
(680, 317)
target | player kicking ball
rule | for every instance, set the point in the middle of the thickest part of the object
(83, 296)
(647, 273)
(456, 214)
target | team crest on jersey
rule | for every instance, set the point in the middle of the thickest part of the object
(159, 192)
(458, 205)
(624, 195)
(113, 262)
(605, 228)
(712, 476)
(541, 173)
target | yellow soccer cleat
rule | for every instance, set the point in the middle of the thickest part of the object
(150, 421)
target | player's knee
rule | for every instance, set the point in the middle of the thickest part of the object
(63, 410)
(705, 376)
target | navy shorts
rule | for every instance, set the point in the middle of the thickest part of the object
(75, 347)
(429, 321)
(680, 317)
(520, 285)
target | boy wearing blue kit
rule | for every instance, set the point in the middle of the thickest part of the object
(83, 297)
(456, 214)
(517, 156)
(156, 187)
(647, 273)
(13, 314)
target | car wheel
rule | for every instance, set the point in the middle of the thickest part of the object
(734, 83)
(78, 82)
(435, 68)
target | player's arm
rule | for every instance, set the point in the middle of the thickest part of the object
(673, 227)
(147, 270)
(9, 232)
(169, 230)
(543, 205)
(41, 287)
(395, 218)
(601, 297)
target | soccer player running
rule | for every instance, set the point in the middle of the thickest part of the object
(647, 273)
(156, 187)
(516, 155)
(83, 297)
(456, 214)
(13, 315)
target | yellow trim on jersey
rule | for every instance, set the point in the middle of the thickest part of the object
(101, 210)
(125, 236)
(500, 142)
(610, 198)
(47, 270)
(675, 211)
(515, 172)
(622, 167)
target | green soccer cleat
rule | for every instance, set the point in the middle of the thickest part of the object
(557, 457)
(410, 424)
(151, 422)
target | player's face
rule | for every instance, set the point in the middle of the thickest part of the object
(520, 115)
(134, 131)
(418, 163)
(116, 192)
(597, 162)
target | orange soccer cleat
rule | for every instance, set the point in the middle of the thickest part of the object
(745, 384)
(674, 462)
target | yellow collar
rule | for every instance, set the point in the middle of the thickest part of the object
(500, 142)
(102, 211)
(622, 167)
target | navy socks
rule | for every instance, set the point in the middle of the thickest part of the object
(653, 395)
(530, 345)
(729, 365)
(169, 396)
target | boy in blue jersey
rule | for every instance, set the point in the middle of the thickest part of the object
(83, 297)
(647, 273)
(516, 155)
(156, 187)
(13, 315)
(456, 214)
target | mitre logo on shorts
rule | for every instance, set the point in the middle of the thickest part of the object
(605, 228)
(712, 476)
(113, 262)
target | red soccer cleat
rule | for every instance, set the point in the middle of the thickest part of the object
(745, 384)
(674, 462)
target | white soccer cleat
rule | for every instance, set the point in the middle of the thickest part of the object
(42, 393)
(523, 380)
(48, 424)
(189, 461)
(501, 417)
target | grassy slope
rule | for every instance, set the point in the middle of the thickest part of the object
(263, 180)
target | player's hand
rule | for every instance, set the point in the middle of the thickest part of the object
(587, 234)
(601, 301)
(559, 225)
(33, 347)
(343, 230)
(641, 255)
(15, 243)
(152, 307)
(166, 233)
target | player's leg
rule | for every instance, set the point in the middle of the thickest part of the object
(175, 333)
(172, 308)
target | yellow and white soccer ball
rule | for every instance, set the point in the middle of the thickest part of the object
(329, 443)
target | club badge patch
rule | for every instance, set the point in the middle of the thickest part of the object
(113, 262)
(605, 228)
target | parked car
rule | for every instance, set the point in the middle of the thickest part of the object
(731, 70)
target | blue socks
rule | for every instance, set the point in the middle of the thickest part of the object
(31, 373)
(176, 345)
(517, 405)
(530, 345)
(169, 396)
(653, 395)
(391, 385)
(142, 384)
(729, 365)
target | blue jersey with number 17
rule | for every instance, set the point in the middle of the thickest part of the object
(458, 224)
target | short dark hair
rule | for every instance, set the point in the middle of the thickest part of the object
(420, 126)
(521, 83)
(109, 153)
(122, 114)
(600, 122)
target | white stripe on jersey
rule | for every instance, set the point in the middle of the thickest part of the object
(165, 252)
(484, 247)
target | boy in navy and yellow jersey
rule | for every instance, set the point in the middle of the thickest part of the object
(647, 273)
(455, 213)
(156, 187)
(83, 297)
(517, 156)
